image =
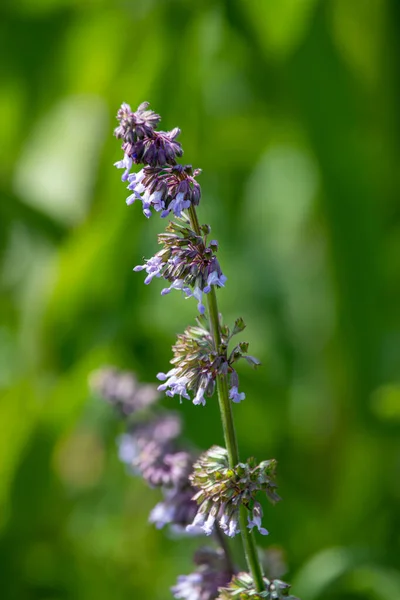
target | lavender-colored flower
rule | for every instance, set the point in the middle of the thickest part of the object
(153, 268)
(255, 520)
(199, 397)
(235, 396)
(125, 163)
(209, 514)
(178, 284)
(210, 575)
(174, 385)
(122, 389)
(223, 489)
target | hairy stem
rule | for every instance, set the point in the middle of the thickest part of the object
(228, 426)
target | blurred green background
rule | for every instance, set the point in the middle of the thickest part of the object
(290, 107)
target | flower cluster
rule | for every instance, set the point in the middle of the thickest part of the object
(212, 573)
(141, 143)
(150, 447)
(197, 363)
(150, 450)
(134, 126)
(122, 389)
(185, 261)
(168, 189)
(242, 587)
(222, 490)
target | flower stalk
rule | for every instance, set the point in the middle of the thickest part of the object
(223, 489)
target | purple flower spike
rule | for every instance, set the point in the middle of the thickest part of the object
(209, 494)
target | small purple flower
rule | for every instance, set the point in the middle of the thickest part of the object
(179, 204)
(229, 524)
(207, 517)
(178, 284)
(136, 186)
(198, 522)
(235, 396)
(125, 163)
(177, 385)
(208, 526)
(140, 192)
(153, 267)
(198, 294)
(255, 521)
(214, 278)
(127, 449)
(199, 397)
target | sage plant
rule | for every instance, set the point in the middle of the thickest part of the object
(214, 493)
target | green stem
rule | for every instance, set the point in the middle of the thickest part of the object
(225, 405)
